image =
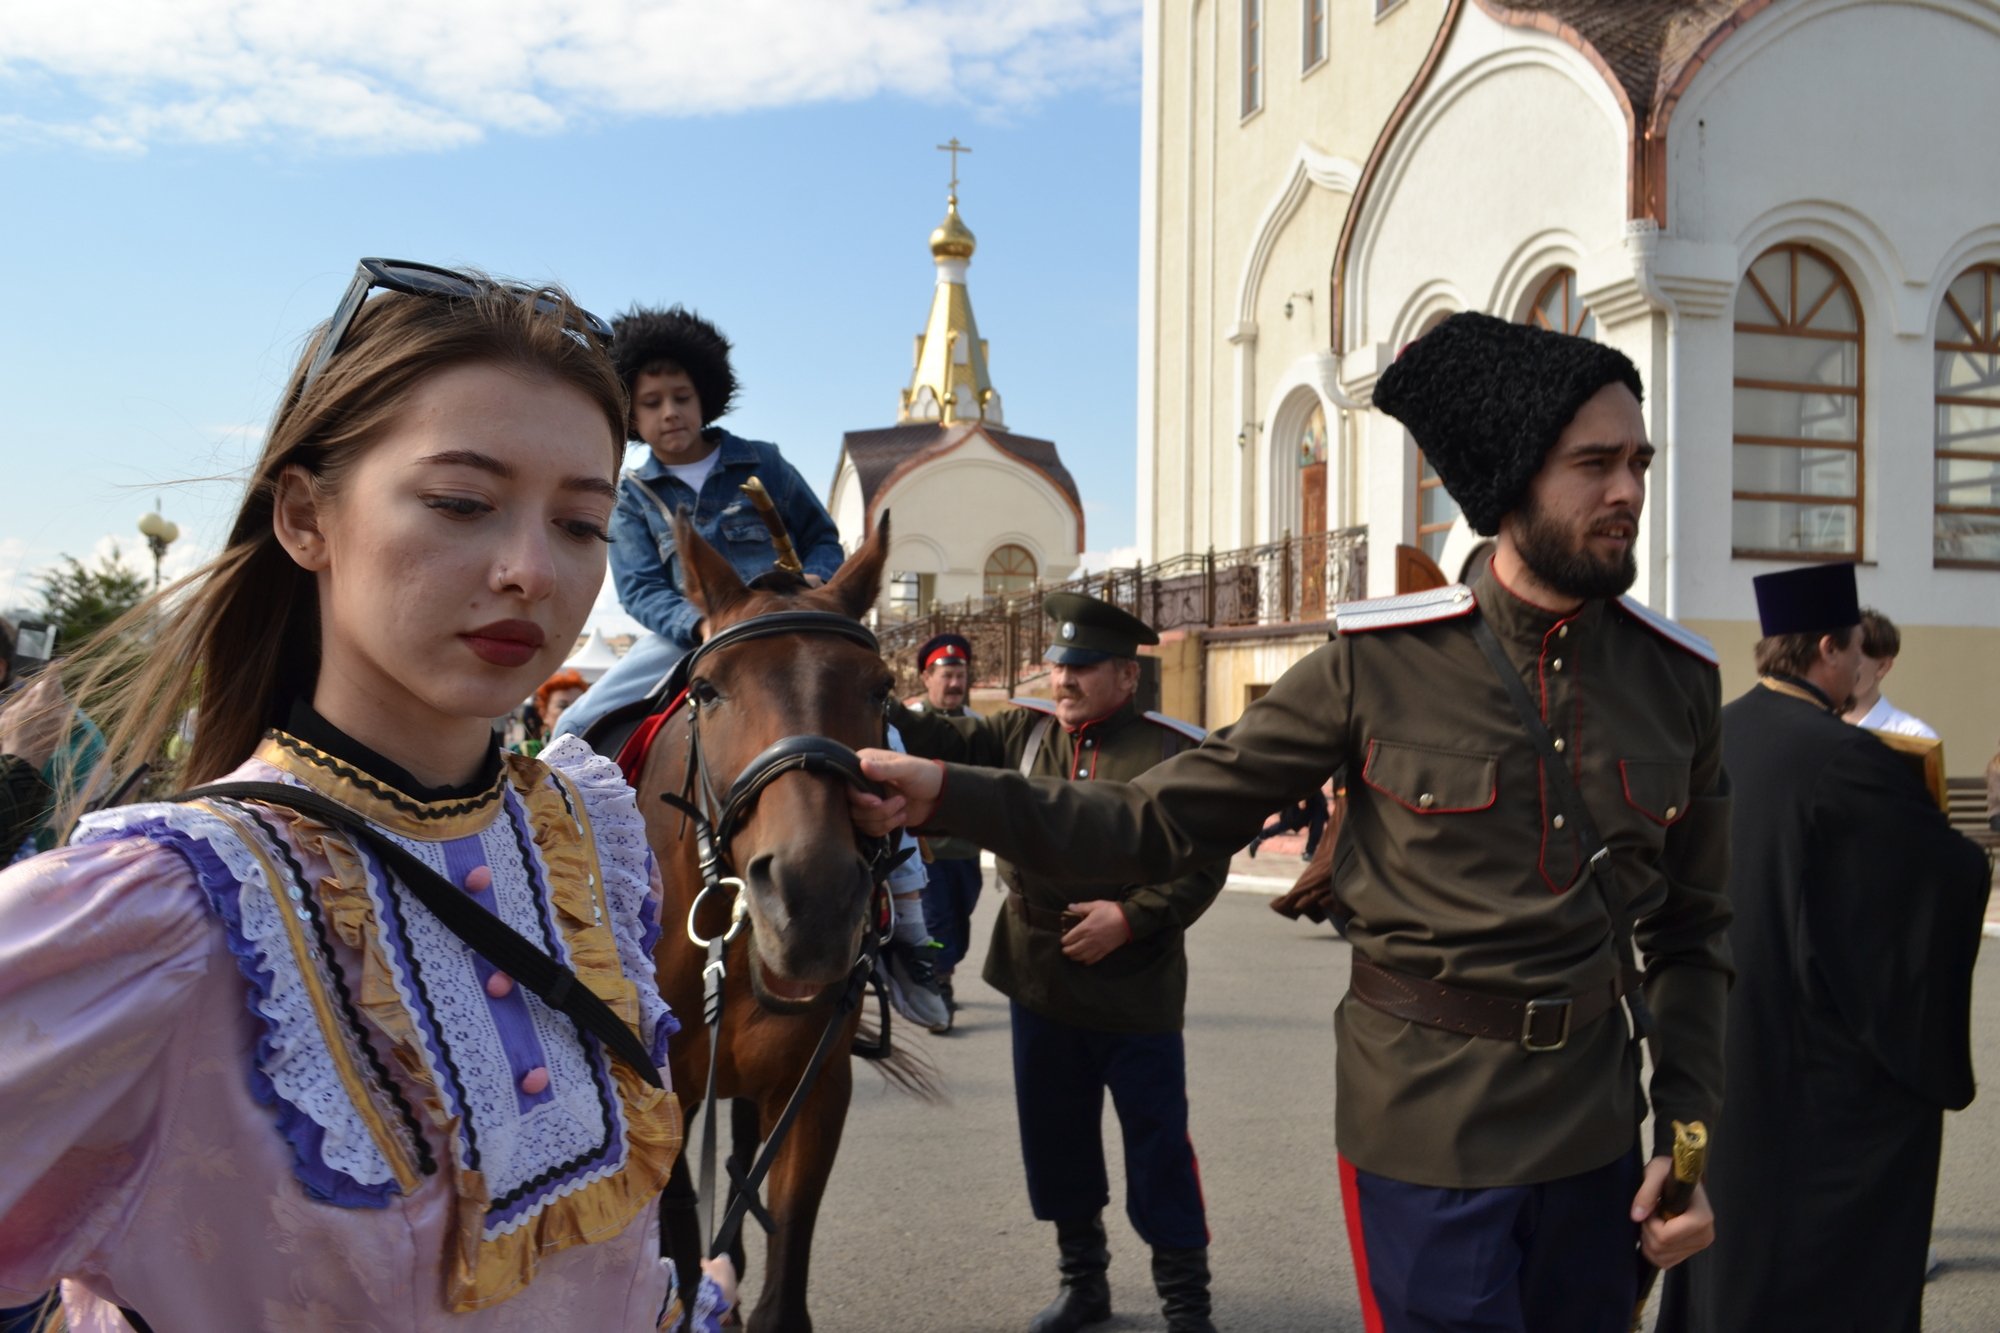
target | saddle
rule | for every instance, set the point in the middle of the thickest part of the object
(625, 734)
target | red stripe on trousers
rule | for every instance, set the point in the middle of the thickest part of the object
(1350, 1199)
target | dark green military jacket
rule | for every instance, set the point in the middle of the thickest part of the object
(1454, 865)
(1140, 986)
(943, 848)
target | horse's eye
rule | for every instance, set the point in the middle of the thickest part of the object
(701, 692)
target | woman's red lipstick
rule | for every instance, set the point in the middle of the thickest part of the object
(507, 643)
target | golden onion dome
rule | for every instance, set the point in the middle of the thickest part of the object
(952, 239)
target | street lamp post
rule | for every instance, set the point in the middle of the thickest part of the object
(159, 533)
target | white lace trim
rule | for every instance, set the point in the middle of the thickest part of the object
(515, 1144)
(295, 1056)
(626, 859)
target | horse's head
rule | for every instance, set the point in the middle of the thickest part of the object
(805, 872)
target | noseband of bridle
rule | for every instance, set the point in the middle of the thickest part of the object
(716, 823)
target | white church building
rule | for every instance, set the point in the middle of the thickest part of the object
(1782, 210)
(975, 508)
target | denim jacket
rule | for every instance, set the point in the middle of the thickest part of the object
(644, 564)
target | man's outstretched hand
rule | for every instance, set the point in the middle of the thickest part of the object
(911, 796)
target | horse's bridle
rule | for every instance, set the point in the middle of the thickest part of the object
(717, 820)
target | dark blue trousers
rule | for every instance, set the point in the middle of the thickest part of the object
(1550, 1258)
(949, 897)
(1061, 1073)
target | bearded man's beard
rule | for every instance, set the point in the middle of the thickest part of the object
(1565, 564)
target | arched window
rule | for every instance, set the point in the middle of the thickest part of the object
(1435, 509)
(1556, 307)
(1968, 421)
(1010, 569)
(1797, 460)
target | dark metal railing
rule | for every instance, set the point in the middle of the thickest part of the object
(1295, 580)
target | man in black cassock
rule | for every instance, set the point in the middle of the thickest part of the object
(1857, 922)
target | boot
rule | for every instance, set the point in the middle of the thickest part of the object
(1085, 1297)
(1181, 1277)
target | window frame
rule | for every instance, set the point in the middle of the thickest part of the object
(988, 572)
(1383, 7)
(1427, 479)
(1311, 33)
(1251, 66)
(1576, 313)
(1983, 344)
(1791, 325)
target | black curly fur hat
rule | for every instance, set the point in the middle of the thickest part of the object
(1486, 400)
(644, 339)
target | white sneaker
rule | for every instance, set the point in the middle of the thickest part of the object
(913, 987)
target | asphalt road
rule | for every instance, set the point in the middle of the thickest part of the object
(926, 1224)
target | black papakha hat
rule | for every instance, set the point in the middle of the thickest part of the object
(1813, 599)
(1486, 400)
(1088, 630)
(944, 648)
(643, 339)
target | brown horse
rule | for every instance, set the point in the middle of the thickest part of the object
(807, 885)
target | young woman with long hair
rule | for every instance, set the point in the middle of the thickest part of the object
(248, 1079)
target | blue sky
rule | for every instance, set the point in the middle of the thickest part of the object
(186, 195)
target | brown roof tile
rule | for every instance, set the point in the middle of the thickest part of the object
(1642, 42)
(878, 453)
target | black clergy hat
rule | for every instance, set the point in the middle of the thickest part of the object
(1813, 599)
(1486, 399)
(944, 648)
(1088, 630)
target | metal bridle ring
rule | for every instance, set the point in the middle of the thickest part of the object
(739, 911)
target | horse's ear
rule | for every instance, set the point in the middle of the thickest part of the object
(710, 581)
(859, 579)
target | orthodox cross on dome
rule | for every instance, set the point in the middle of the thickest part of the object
(954, 148)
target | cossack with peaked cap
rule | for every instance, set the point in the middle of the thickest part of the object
(1812, 599)
(645, 339)
(944, 648)
(1088, 630)
(1486, 399)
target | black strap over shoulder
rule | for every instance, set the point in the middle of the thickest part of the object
(1568, 800)
(486, 934)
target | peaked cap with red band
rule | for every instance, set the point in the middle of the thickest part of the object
(944, 648)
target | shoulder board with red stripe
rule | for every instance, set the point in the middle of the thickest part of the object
(1039, 705)
(1680, 636)
(1410, 608)
(1187, 729)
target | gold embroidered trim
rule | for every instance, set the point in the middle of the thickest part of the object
(486, 1272)
(384, 806)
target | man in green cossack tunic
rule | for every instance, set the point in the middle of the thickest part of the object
(1096, 975)
(1535, 786)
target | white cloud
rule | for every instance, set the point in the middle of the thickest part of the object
(386, 75)
(1097, 562)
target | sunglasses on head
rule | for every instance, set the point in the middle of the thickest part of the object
(414, 279)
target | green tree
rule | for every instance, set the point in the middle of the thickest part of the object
(82, 600)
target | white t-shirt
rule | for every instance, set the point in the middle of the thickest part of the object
(1885, 716)
(695, 473)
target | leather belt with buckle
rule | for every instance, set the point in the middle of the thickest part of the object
(1540, 1025)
